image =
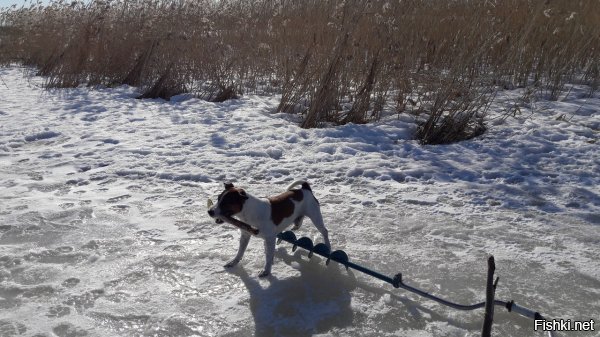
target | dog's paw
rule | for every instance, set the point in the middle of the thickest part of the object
(264, 273)
(231, 263)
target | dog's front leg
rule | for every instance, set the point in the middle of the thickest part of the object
(269, 254)
(244, 239)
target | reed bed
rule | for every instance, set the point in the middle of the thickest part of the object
(332, 61)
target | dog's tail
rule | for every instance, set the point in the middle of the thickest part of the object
(302, 183)
(305, 186)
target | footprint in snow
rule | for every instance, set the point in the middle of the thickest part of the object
(42, 136)
(70, 282)
(58, 311)
(121, 209)
(119, 198)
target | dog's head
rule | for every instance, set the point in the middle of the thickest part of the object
(230, 202)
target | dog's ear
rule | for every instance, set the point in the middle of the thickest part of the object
(228, 185)
(243, 194)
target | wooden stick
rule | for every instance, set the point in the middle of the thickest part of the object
(488, 319)
(241, 225)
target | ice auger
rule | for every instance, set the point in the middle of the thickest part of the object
(397, 281)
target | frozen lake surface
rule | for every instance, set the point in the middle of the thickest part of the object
(103, 226)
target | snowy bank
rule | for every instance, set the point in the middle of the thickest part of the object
(104, 233)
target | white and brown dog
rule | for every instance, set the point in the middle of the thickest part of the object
(269, 215)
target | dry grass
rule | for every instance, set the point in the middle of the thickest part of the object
(333, 61)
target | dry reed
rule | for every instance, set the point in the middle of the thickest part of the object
(334, 61)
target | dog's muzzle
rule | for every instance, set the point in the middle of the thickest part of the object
(211, 213)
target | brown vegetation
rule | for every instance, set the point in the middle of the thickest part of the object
(334, 61)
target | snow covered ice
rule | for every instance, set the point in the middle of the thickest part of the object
(104, 229)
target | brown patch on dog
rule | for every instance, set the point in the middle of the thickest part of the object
(232, 201)
(282, 205)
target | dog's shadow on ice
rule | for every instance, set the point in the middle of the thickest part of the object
(314, 301)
